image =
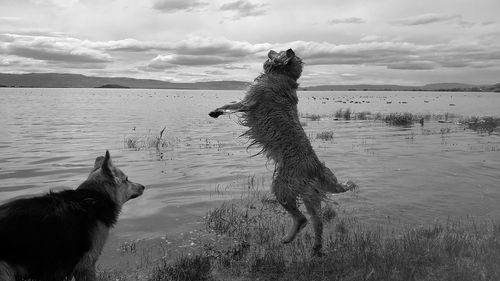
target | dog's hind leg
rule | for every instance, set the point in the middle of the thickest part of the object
(313, 206)
(289, 202)
(87, 274)
(6, 272)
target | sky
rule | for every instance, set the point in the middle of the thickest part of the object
(341, 42)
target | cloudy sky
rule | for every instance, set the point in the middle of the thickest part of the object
(342, 42)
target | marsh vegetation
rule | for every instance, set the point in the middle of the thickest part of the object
(244, 244)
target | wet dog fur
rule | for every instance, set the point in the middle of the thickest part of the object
(60, 235)
(269, 110)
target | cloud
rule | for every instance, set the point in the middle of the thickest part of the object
(346, 20)
(369, 38)
(427, 19)
(201, 51)
(172, 6)
(398, 55)
(193, 45)
(171, 61)
(215, 72)
(244, 8)
(322, 53)
(233, 67)
(9, 19)
(241, 59)
(52, 49)
(412, 65)
(160, 62)
(349, 76)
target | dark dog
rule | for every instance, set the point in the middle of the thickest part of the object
(61, 235)
(269, 109)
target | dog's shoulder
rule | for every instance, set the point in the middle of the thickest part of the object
(79, 205)
(273, 88)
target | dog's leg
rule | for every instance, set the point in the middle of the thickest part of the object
(313, 206)
(6, 272)
(289, 202)
(87, 274)
(228, 108)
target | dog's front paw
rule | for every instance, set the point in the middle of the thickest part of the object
(215, 113)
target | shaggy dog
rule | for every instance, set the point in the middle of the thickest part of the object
(269, 109)
(60, 235)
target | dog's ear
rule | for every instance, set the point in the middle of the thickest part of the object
(98, 162)
(107, 165)
(290, 54)
(272, 54)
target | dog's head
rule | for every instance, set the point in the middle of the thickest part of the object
(284, 62)
(112, 180)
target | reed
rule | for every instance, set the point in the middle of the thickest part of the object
(399, 119)
(325, 135)
(483, 125)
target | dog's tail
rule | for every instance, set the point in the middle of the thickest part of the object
(332, 185)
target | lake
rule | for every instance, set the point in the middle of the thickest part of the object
(415, 175)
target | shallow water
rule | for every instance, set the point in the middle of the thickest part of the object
(50, 138)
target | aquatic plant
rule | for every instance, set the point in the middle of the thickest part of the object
(347, 114)
(363, 115)
(399, 119)
(312, 117)
(338, 113)
(326, 135)
(482, 125)
(158, 142)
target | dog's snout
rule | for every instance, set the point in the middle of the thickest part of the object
(142, 187)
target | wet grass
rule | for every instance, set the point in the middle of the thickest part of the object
(149, 141)
(400, 119)
(325, 135)
(245, 245)
(185, 268)
(483, 125)
(312, 117)
(343, 114)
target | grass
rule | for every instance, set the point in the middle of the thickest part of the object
(325, 135)
(345, 114)
(185, 268)
(450, 251)
(399, 119)
(159, 142)
(246, 246)
(482, 125)
(363, 115)
(312, 117)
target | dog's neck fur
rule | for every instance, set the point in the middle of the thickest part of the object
(106, 209)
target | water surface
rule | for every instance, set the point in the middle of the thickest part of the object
(50, 138)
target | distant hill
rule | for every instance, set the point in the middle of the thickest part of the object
(362, 87)
(450, 86)
(495, 88)
(59, 80)
(114, 86)
(389, 87)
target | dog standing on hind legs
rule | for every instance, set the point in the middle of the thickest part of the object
(60, 235)
(269, 110)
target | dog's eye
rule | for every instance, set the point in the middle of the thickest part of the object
(126, 179)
